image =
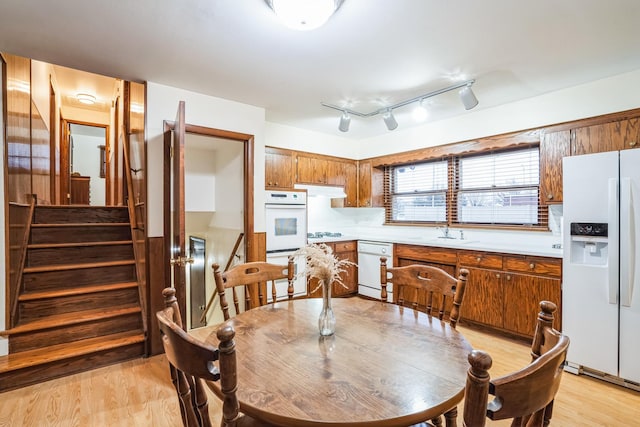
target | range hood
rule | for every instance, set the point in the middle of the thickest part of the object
(330, 191)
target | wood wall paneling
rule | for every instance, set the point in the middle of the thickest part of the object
(18, 133)
(157, 281)
(40, 157)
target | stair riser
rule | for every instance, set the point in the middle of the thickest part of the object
(72, 215)
(68, 279)
(79, 234)
(49, 371)
(100, 327)
(37, 309)
(78, 254)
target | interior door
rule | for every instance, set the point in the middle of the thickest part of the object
(178, 253)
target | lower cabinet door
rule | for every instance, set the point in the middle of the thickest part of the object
(483, 297)
(522, 296)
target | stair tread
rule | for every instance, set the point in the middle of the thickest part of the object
(61, 320)
(63, 267)
(25, 359)
(80, 224)
(78, 244)
(75, 291)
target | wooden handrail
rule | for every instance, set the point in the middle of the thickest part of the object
(15, 284)
(215, 290)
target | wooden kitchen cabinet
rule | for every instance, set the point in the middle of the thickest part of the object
(504, 291)
(349, 251)
(348, 178)
(278, 168)
(553, 147)
(343, 250)
(612, 136)
(310, 169)
(370, 185)
(527, 281)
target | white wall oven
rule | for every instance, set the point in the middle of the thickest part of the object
(286, 222)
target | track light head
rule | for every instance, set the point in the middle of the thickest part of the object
(467, 97)
(389, 120)
(345, 121)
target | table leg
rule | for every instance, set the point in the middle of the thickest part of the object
(451, 417)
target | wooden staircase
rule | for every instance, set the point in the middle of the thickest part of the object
(78, 305)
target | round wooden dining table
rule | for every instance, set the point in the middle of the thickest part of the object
(385, 365)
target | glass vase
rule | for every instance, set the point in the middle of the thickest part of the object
(327, 320)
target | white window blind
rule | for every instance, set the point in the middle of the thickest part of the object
(418, 192)
(498, 188)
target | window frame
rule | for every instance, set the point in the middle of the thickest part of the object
(453, 190)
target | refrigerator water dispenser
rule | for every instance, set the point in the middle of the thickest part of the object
(589, 243)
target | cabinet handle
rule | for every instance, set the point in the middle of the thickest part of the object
(497, 275)
(478, 259)
(532, 266)
(549, 196)
(276, 184)
(632, 143)
(508, 277)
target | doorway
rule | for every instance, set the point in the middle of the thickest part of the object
(83, 172)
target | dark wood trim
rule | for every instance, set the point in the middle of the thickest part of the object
(591, 121)
(157, 280)
(5, 202)
(52, 144)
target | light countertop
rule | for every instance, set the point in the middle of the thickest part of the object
(516, 246)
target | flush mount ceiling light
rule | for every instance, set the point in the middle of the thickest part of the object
(467, 97)
(86, 99)
(304, 14)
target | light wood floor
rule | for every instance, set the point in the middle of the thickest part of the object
(139, 393)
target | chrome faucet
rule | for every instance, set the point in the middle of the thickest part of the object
(445, 231)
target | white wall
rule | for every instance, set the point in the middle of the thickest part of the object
(202, 110)
(292, 138)
(199, 180)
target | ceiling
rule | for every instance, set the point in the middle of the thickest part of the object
(371, 53)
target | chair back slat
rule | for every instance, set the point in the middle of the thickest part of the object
(251, 274)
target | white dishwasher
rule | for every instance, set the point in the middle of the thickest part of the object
(369, 254)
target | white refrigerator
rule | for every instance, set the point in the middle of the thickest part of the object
(601, 265)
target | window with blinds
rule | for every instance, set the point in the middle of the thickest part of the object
(498, 188)
(417, 193)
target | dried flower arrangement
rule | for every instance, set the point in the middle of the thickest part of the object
(323, 264)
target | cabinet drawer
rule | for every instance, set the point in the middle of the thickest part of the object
(533, 265)
(345, 246)
(480, 259)
(426, 253)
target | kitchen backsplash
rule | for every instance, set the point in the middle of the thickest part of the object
(359, 222)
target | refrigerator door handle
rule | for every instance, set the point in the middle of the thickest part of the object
(613, 243)
(627, 243)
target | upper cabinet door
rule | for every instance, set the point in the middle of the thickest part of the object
(278, 168)
(613, 136)
(553, 147)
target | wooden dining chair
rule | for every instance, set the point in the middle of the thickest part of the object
(251, 273)
(440, 289)
(527, 395)
(191, 361)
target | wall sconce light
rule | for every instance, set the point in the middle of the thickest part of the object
(467, 97)
(304, 14)
(389, 120)
(345, 121)
(86, 99)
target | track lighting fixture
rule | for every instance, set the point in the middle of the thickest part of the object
(389, 120)
(467, 97)
(420, 113)
(345, 121)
